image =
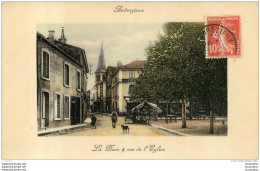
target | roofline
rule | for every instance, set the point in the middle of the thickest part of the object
(84, 54)
(124, 69)
(70, 45)
(111, 67)
(116, 71)
(65, 54)
(85, 59)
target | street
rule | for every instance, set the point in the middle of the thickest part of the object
(104, 128)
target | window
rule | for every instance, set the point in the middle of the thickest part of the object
(78, 81)
(131, 74)
(66, 107)
(66, 75)
(56, 106)
(45, 65)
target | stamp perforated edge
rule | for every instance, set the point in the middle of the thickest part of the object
(226, 56)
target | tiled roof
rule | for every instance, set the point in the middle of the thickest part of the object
(133, 65)
(73, 51)
(41, 37)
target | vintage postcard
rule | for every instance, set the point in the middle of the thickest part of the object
(130, 80)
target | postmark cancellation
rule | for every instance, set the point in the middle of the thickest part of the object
(222, 36)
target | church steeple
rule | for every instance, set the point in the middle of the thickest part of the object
(62, 39)
(101, 61)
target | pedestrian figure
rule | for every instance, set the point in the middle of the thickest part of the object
(114, 119)
(93, 121)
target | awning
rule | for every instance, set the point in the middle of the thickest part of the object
(151, 105)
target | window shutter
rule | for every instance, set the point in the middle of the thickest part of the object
(43, 105)
(55, 106)
(58, 106)
(66, 106)
(66, 74)
(45, 64)
(78, 77)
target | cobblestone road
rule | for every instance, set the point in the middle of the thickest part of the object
(104, 128)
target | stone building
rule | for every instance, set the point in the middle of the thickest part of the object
(123, 78)
(61, 82)
(100, 84)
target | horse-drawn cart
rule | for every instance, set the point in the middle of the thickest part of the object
(143, 112)
(129, 118)
(138, 119)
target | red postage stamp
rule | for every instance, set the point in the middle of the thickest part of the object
(223, 36)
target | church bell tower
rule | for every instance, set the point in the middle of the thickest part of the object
(100, 82)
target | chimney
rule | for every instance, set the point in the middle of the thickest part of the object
(51, 36)
(119, 63)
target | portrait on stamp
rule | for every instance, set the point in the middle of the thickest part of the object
(223, 36)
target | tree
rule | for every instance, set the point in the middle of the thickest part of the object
(176, 69)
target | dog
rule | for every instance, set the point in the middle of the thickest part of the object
(125, 128)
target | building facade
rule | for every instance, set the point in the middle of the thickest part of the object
(88, 101)
(123, 78)
(109, 74)
(61, 82)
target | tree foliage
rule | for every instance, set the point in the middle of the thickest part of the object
(176, 67)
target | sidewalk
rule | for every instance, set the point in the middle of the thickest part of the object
(104, 128)
(168, 130)
(60, 129)
(194, 127)
(157, 127)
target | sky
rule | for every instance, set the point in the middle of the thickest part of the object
(121, 41)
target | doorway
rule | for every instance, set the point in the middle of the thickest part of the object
(75, 110)
(45, 110)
